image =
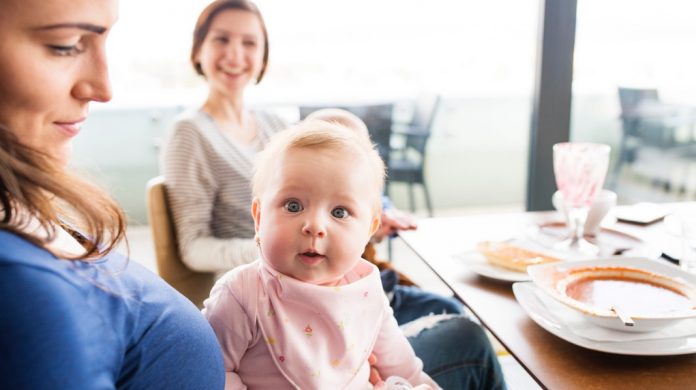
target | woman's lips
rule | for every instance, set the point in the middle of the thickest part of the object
(233, 73)
(232, 76)
(71, 128)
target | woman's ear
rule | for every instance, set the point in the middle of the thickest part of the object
(256, 213)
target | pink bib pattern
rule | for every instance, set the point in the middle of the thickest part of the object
(320, 337)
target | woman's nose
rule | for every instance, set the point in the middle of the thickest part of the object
(93, 82)
(235, 52)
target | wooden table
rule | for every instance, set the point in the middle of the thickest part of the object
(551, 361)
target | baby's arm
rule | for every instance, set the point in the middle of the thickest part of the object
(395, 356)
(233, 328)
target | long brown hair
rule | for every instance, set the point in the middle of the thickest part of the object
(34, 185)
(205, 19)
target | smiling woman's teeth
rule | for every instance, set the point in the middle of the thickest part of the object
(233, 71)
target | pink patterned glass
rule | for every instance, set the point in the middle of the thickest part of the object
(580, 169)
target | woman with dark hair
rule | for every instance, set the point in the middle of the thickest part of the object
(74, 313)
(207, 159)
(207, 163)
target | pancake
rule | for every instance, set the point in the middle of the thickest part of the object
(512, 257)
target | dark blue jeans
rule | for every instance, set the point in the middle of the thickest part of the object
(456, 353)
(410, 303)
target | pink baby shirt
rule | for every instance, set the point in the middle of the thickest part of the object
(279, 332)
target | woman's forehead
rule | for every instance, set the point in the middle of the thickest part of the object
(40, 13)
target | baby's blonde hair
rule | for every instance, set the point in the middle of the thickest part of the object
(321, 136)
(341, 117)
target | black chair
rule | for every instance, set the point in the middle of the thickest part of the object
(407, 163)
(646, 123)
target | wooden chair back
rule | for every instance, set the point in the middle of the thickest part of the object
(192, 284)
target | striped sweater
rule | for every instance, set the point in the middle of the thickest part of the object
(208, 180)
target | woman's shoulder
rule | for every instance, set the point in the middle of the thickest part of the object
(22, 252)
(269, 121)
(11, 243)
(113, 282)
(193, 132)
(113, 275)
(190, 121)
(109, 312)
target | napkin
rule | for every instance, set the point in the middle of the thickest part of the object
(580, 326)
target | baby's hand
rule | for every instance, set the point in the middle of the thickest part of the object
(394, 220)
(393, 382)
(375, 378)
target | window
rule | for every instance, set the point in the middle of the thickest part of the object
(479, 56)
(638, 50)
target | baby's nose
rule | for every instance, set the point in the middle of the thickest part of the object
(314, 227)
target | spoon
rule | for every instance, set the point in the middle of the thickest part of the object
(619, 251)
(625, 318)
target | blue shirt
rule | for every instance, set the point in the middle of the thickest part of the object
(103, 324)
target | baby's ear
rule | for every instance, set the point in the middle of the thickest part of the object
(376, 222)
(256, 213)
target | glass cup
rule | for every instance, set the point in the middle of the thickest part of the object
(580, 169)
(604, 202)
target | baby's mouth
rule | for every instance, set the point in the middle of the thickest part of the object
(310, 254)
(311, 257)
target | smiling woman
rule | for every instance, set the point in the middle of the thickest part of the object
(45, 42)
(208, 157)
(75, 314)
(53, 65)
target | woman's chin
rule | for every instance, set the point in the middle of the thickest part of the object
(63, 155)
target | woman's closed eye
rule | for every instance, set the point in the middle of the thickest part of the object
(293, 206)
(340, 213)
(66, 50)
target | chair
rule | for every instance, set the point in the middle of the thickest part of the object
(407, 163)
(192, 284)
(647, 123)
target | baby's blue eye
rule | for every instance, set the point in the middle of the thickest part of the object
(339, 212)
(293, 206)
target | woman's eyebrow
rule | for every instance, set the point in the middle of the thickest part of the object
(82, 26)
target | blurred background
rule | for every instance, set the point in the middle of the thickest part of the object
(634, 88)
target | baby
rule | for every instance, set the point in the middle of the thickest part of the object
(310, 311)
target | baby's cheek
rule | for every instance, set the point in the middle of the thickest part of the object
(276, 248)
(354, 247)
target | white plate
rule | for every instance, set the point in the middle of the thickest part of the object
(477, 263)
(525, 293)
(551, 277)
